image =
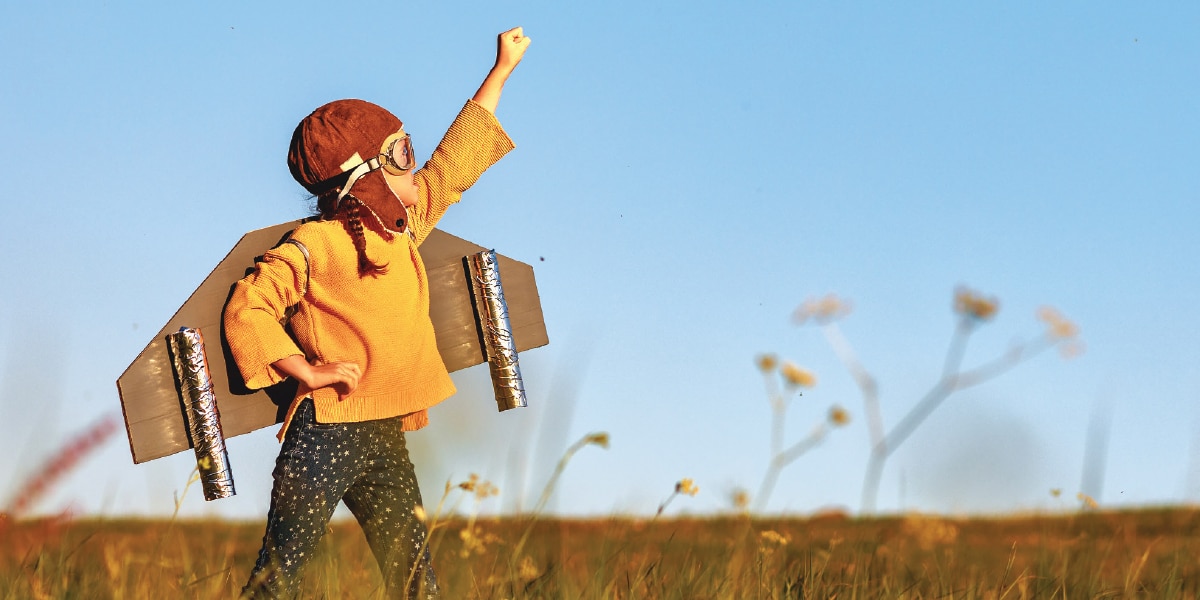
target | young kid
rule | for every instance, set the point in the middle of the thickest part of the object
(366, 361)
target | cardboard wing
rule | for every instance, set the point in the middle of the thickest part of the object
(150, 400)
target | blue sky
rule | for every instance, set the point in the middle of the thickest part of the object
(690, 172)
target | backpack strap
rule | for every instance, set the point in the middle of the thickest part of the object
(307, 260)
(290, 311)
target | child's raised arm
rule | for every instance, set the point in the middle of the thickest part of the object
(510, 47)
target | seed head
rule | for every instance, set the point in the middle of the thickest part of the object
(767, 362)
(686, 486)
(740, 498)
(796, 376)
(470, 483)
(599, 439)
(1088, 501)
(1058, 326)
(821, 310)
(838, 416)
(969, 303)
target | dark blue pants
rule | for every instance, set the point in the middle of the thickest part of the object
(365, 465)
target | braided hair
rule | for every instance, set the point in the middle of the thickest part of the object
(349, 212)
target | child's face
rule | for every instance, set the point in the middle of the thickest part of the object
(399, 164)
(403, 186)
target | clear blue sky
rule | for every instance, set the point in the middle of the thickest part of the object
(690, 172)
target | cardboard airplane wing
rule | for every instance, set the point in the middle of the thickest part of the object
(150, 400)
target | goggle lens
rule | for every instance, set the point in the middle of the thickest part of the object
(398, 155)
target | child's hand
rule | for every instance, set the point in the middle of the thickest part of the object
(341, 376)
(510, 47)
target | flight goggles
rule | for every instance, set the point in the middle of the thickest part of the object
(395, 156)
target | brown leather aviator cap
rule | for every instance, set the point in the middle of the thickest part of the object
(336, 138)
(331, 136)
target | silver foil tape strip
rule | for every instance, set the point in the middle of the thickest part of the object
(200, 412)
(498, 344)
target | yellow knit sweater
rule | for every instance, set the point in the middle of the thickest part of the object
(379, 322)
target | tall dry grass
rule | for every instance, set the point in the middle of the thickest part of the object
(1137, 554)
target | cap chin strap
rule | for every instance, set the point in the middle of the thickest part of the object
(355, 175)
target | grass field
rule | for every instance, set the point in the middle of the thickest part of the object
(1153, 553)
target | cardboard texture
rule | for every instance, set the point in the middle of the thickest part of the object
(150, 401)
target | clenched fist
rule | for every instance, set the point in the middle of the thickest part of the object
(510, 47)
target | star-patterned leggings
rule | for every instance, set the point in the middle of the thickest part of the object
(365, 465)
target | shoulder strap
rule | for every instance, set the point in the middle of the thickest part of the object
(307, 259)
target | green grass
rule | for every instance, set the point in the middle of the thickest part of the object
(1153, 553)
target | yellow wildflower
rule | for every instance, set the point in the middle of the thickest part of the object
(485, 489)
(773, 537)
(686, 486)
(482, 489)
(419, 513)
(838, 416)
(796, 376)
(475, 541)
(527, 570)
(970, 303)
(1056, 492)
(767, 362)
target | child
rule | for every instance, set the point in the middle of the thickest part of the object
(367, 362)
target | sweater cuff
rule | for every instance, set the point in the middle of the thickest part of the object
(266, 374)
(477, 118)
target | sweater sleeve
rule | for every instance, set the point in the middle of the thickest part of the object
(256, 306)
(474, 142)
